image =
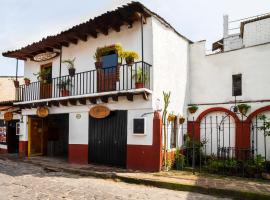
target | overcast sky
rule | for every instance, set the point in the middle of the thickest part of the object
(25, 21)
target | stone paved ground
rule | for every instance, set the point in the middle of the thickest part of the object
(25, 181)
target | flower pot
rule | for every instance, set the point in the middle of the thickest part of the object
(192, 110)
(171, 118)
(71, 71)
(139, 85)
(16, 84)
(98, 64)
(182, 120)
(243, 111)
(64, 93)
(130, 61)
(27, 82)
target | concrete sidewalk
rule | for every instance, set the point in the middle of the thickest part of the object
(238, 188)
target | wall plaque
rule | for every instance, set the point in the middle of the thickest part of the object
(42, 112)
(99, 112)
(8, 116)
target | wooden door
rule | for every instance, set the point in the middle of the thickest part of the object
(35, 137)
(46, 84)
(107, 75)
(108, 139)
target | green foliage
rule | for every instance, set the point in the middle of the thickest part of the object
(140, 75)
(42, 75)
(26, 79)
(193, 108)
(64, 84)
(179, 160)
(266, 125)
(243, 108)
(70, 63)
(103, 51)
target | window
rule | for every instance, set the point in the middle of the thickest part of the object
(237, 85)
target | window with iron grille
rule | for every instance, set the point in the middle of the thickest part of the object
(237, 85)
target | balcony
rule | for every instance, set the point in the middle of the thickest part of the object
(94, 83)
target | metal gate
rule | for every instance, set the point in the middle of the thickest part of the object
(108, 139)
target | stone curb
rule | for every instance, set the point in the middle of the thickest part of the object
(235, 194)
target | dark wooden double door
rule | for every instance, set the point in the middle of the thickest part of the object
(108, 139)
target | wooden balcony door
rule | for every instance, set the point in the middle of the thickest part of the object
(107, 76)
(46, 84)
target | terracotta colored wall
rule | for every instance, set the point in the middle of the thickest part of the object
(3, 151)
(78, 153)
(147, 158)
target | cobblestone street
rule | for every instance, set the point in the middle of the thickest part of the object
(25, 181)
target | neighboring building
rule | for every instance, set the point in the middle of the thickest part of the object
(240, 61)
(9, 141)
(104, 114)
(7, 88)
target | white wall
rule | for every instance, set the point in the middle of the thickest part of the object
(211, 76)
(78, 128)
(233, 42)
(130, 38)
(170, 71)
(257, 32)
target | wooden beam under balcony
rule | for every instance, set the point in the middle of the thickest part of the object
(55, 103)
(130, 96)
(93, 100)
(63, 102)
(82, 101)
(104, 99)
(72, 102)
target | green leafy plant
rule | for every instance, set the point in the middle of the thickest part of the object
(193, 108)
(70, 63)
(140, 75)
(107, 50)
(43, 74)
(243, 108)
(266, 125)
(64, 84)
(179, 160)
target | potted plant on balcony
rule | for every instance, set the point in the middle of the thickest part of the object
(71, 66)
(243, 108)
(192, 109)
(64, 86)
(171, 117)
(130, 56)
(26, 81)
(16, 83)
(42, 75)
(141, 77)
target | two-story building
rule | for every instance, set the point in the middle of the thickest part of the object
(105, 113)
(108, 111)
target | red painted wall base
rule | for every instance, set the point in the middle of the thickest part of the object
(147, 158)
(143, 158)
(78, 153)
(3, 151)
(23, 148)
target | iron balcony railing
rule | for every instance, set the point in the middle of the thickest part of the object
(120, 78)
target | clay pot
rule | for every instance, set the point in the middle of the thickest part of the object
(16, 84)
(27, 82)
(139, 85)
(64, 93)
(98, 64)
(130, 61)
